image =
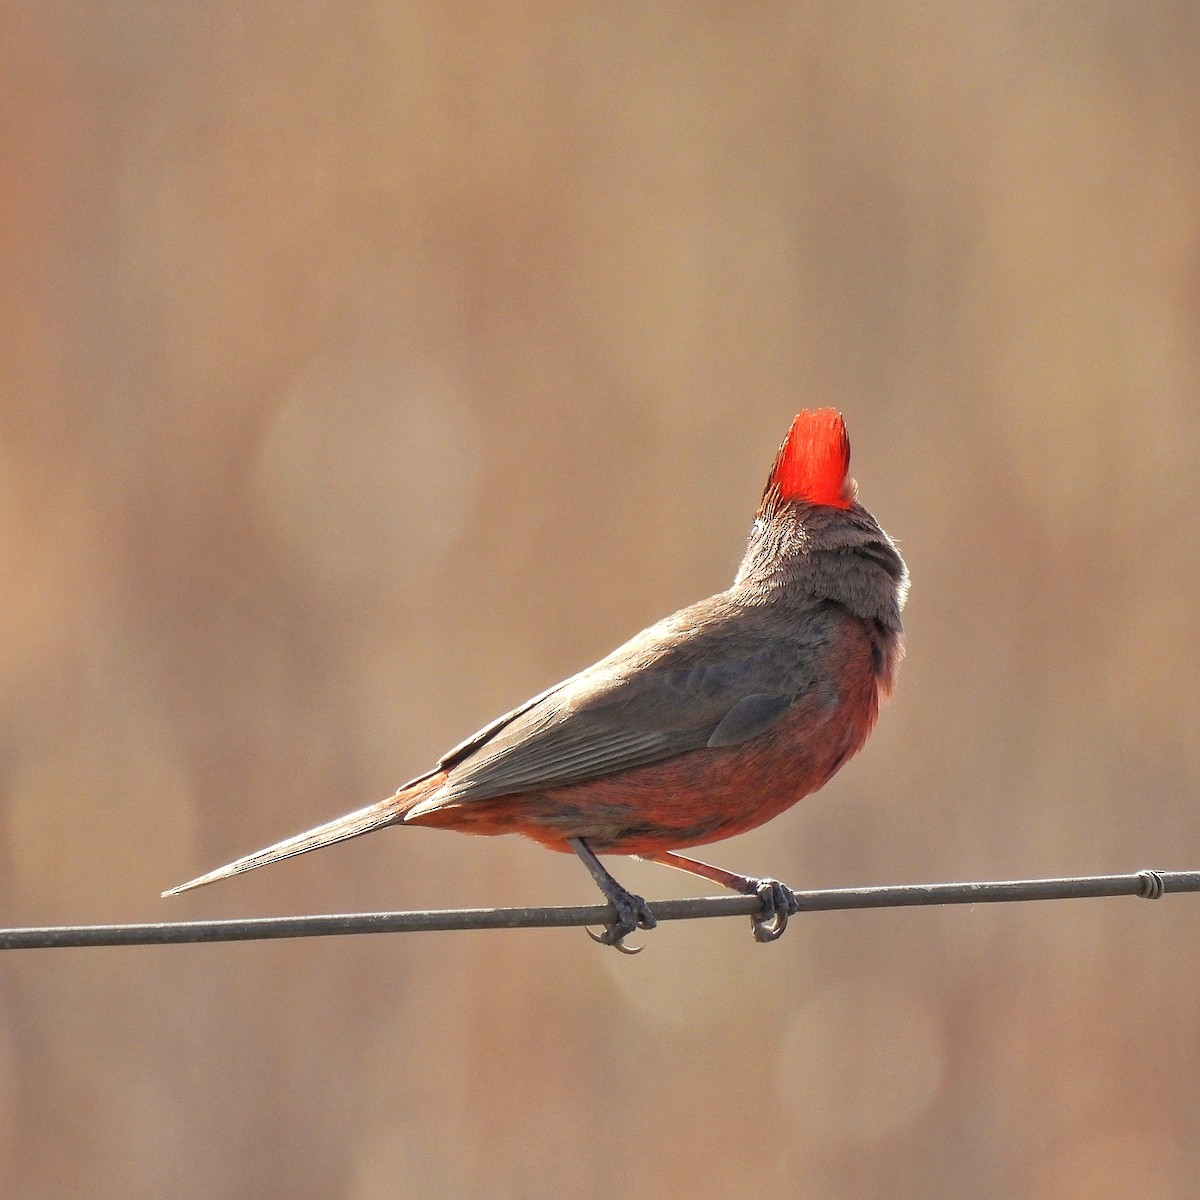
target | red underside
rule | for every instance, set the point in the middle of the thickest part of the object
(701, 796)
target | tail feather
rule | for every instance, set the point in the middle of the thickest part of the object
(364, 820)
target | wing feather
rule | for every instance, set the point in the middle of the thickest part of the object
(664, 693)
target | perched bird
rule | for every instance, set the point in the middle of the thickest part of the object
(705, 725)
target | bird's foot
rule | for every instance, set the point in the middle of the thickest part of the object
(778, 904)
(632, 913)
(778, 900)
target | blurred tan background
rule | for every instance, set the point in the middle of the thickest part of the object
(365, 368)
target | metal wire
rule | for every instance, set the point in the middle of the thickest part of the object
(1148, 884)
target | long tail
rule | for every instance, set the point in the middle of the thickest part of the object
(375, 816)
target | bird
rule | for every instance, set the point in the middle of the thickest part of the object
(707, 724)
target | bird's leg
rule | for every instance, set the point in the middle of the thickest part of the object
(778, 900)
(632, 911)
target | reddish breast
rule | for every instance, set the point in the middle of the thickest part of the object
(708, 794)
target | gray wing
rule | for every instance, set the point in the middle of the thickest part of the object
(677, 687)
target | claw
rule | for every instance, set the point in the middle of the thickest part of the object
(617, 943)
(768, 931)
(778, 904)
(632, 913)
